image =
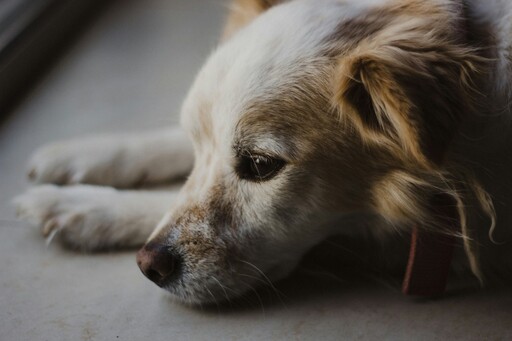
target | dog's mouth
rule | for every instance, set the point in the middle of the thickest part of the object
(190, 279)
(198, 281)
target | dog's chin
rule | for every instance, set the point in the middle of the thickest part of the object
(200, 290)
(203, 296)
(198, 295)
(194, 300)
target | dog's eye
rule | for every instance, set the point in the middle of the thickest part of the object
(258, 167)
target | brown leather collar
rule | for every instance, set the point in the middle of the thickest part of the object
(429, 263)
(431, 253)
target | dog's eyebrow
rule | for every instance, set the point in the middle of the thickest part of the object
(267, 144)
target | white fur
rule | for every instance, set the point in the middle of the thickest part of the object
(122, 160)
(92, 217)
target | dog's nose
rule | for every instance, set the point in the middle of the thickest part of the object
(157, 262)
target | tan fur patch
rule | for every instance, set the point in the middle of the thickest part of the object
(408, 84)
(242, 12)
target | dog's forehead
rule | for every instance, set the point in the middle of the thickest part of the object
(266, 59)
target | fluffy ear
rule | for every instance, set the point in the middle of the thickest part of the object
(436, 202)
(407, 88)
(242, 12)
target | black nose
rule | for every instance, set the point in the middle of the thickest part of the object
(158, 263)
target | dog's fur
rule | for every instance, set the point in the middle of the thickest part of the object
(376, 107)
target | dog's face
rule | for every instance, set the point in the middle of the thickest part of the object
(274, 161)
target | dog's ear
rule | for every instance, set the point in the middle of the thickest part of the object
(407, 88)
(242, 12)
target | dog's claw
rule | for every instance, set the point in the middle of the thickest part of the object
(76, 178)
(49, 226)
(32, 174)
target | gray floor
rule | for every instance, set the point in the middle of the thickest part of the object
(130, 71)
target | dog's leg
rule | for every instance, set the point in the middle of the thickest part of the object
(93, 217)
(124, 161)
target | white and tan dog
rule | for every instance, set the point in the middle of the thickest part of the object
(308, 111)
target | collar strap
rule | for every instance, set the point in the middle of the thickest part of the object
(429, 263)
(431, 253)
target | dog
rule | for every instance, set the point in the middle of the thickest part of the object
(307, 113)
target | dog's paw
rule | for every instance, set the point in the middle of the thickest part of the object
(114, 160)
(82, 217)
(92, 161)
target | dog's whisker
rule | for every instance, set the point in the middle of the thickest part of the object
(257, 296)
(260, 280)
(280, 295)
(223, 288)
(214, 299)
(260, 272)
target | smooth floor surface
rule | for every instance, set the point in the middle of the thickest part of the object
(130, 71)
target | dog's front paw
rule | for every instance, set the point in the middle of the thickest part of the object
(123, 160)
(92, 161)
(82, 217)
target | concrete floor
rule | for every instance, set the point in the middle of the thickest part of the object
(130, 71)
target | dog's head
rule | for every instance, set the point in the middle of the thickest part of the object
(312, 111)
